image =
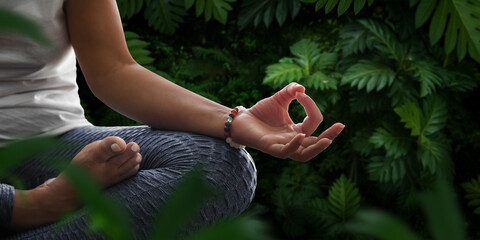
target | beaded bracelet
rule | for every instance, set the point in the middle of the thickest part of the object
(228, 124)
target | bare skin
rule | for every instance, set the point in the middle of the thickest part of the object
(96, 34)
(108, 161)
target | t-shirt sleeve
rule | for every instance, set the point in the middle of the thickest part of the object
(7, 196)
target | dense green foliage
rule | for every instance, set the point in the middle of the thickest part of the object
(401, 75)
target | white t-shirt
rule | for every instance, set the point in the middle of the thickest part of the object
(38, 90)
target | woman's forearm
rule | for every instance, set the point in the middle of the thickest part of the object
(148, 98)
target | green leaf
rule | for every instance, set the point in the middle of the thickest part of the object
(307, 53)
(410, 114)
(435, 115)
(443, 213)
(462, 22)
(129, 8)
(395, 142)
(107, 214)
(138, 50)
(190, 194)
(343, 199)
(355, 39)
(240, 228)
(16, 152)
(343, 6)
(438, 22)
(435, 156)
(472, 190)
(330, 5)
(386, 170)
(12, 22)
(369, 75)
(165, 15)
(257, 11)
(189, 4)
(282, 12)
(321, 81)
(384, 39)
(430, 77)
(281, 73)
(358, 5)
(382, 226)
(424, 11)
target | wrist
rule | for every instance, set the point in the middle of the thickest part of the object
(228, 127)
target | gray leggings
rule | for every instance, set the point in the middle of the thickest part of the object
(167, 156)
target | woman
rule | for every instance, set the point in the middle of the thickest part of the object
(38, 95)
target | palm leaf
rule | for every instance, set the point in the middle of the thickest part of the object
(343, 199)
(369, 75)
(165, 15)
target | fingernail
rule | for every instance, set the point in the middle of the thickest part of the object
(115, 147)
(135, 147)
(138, 159)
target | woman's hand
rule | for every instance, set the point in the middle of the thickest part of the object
(267, 126)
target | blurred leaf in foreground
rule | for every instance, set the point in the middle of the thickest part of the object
(12, 22)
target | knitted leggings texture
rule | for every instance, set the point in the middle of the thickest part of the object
(167, 157)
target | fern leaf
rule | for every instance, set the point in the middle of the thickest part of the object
(472, 189)
(257, 11)
(435, 156)
(386, 170)
(307, 53)
(165, 15)
(369, 75)
(430, 77)
(385, 39)
(323, 60)
(462, 83)
(462, 21)
(395, 143)
(343, 199)
(321, 81)
(361, 102)
(355, 39)
(138, 50)
(410, 115)
(282, 73)
(435, 115)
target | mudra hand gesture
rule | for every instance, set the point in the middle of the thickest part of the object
(268, 127)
